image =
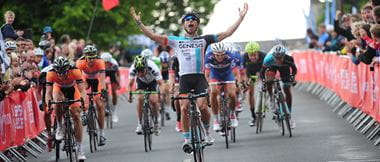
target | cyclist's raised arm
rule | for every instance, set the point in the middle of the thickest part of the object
(233, 28)
(161, 39)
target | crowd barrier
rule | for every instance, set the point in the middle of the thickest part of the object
(21, 120)
(355, 84)
(351, 90)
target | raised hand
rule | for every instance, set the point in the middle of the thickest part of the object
(243, 12)
(135, 16)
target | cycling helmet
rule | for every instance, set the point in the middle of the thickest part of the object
(44, 44)
(90, 50)
(147, 53)
(140, 63)
(164, 57)
(190, 15)
(38, 52)
(61, 64)
(10, 45)
(107, 57)
(278, 50)
(218, 48)
(252, 47)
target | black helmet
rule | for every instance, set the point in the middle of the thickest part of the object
(140, 63)
(61, 64)
(188, 14)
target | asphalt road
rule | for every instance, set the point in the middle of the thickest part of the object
(320, 136)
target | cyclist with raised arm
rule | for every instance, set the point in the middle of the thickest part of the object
(65, 81)
(221, 67)
(190, 50)
(252, 62)
(278, 60)
(165, 58)
(112, 71)
(93, 68)
(148, 77)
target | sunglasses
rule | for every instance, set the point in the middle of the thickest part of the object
(188, 18)
(91, 57)
(61, 73)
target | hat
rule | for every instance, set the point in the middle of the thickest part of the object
(48, 29)
(38, 52)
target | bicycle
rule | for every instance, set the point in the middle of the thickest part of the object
(108, 110)
(69, 137)
(92, 120)
(197, 129)
(261, 107)
(147, 116)
(225, 114)
(282, 111)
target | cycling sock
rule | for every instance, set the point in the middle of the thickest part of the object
(101, 132)
(186, 136)
(59, 125)
(79, 147)
(216, 117)
(178, 118)
(207, 126)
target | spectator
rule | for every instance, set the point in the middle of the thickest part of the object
(79, 49)
(29, 44)
(323, 36)
(376, 14)
(65, 40)
(7, 29)
(48, 32)
(345, 29)
(309, 38)
(367, 14)
(21, 44)
(335, 44)
(30, 68)
(40, 59)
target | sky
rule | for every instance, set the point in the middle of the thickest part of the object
(265, 19)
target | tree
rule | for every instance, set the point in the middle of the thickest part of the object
(73, 17)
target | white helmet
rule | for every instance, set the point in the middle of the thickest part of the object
(38, 52)
(147, 53)
(218, 48)
(10, 45)
(107, 57)
(278, 50)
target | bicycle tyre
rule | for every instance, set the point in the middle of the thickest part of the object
(162, 113)
(57, 150)
(200, 145)
(194, 139)
(69, 145)
(150, 128)
(233, 135)
(286, 114)
(145, 127)
(258, 122)
(225, 127)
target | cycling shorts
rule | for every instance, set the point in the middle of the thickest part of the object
(112, 75)
(70, 93)
(152, 86)
(188, 82)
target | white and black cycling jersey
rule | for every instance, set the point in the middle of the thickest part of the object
(153, 73)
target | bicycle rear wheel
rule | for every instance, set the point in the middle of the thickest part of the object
(233, 135)
(108, 114)
(259, 121)
(162, 113)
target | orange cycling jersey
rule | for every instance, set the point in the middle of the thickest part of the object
(91, 72)
(73, 76)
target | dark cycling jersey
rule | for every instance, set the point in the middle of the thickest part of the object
(252, 68)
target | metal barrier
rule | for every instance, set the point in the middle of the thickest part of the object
(362, 122)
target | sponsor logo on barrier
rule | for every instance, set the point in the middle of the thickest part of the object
(18, 116)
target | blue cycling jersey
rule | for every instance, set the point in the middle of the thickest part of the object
(221, 71)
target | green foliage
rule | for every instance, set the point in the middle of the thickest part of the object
(73, 17)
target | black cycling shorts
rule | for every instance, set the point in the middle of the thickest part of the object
(152, 86)
(93, 84)
(196, 82)
(284, 73)
(112, 75)
(68, 92)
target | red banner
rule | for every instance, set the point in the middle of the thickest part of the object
(21, 119)
(355, 84)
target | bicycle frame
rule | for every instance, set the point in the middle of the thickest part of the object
(92, 119)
